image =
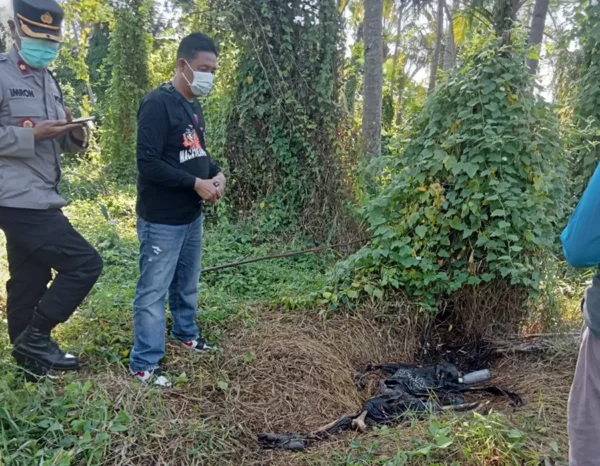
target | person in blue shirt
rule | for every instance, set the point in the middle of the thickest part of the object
(581, 246)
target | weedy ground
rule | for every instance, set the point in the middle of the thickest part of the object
(278, 370)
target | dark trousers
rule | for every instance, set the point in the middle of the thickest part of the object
(37, 242)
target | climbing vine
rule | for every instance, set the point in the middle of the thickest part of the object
(100, 68)
(128, 54)
(280, 139)
(585, 153)
(472, 195)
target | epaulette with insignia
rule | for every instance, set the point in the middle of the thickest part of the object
(23, 68)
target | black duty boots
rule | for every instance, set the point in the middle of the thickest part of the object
(35, 348)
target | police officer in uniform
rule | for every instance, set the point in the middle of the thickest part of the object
(35, 128)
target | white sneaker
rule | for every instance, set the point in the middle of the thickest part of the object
(198, 346)
(154, 377)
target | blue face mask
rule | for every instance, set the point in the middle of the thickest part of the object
(38, 53)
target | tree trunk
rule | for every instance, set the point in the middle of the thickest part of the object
(356, 70)
(373, 77)
(529, 13)
(91, 95)
(450, 50)
(396, 47)
(505, 18)
(435, 61)
(536, 33)
(401, 86)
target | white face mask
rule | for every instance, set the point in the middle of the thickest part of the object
(202, 83)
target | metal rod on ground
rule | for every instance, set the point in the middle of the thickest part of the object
(281, 256)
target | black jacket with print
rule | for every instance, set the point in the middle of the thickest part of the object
(171, 154)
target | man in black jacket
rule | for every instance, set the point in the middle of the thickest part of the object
(175, 176)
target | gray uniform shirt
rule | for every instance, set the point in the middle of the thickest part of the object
(29, 169)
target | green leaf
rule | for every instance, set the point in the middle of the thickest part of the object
(223, 385)
(104, 211)
(181, 379)
(443, 442)
(123, 417)
(473, 281)
(457, 224)
(421, 231)
(488, 277)
(498, 213)
(102, 437)
(471, 169)
(117, 427)
(489, 87)
(515, 434)
(425, 450)
(408, 262)
(440, 155)
(55, 426)
(381, 230)
(449, 162)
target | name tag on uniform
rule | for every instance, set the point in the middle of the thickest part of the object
(22, 93)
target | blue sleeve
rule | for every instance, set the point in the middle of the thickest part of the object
(581, 237)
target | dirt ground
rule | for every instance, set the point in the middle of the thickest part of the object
(291, 373)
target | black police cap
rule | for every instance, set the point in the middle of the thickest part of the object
(39, 19)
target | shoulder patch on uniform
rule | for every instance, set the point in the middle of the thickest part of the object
(23, 68)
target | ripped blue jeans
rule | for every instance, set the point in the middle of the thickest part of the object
(170, 262)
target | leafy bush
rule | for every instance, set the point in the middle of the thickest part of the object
(471, 197)
(585, 153)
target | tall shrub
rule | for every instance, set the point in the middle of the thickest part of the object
(472, 194)
(281, 132)
(128, 54)
(586, 153)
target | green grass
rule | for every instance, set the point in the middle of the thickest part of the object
(456, 440)
(76, 420)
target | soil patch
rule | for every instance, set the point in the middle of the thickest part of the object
(292, 373)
